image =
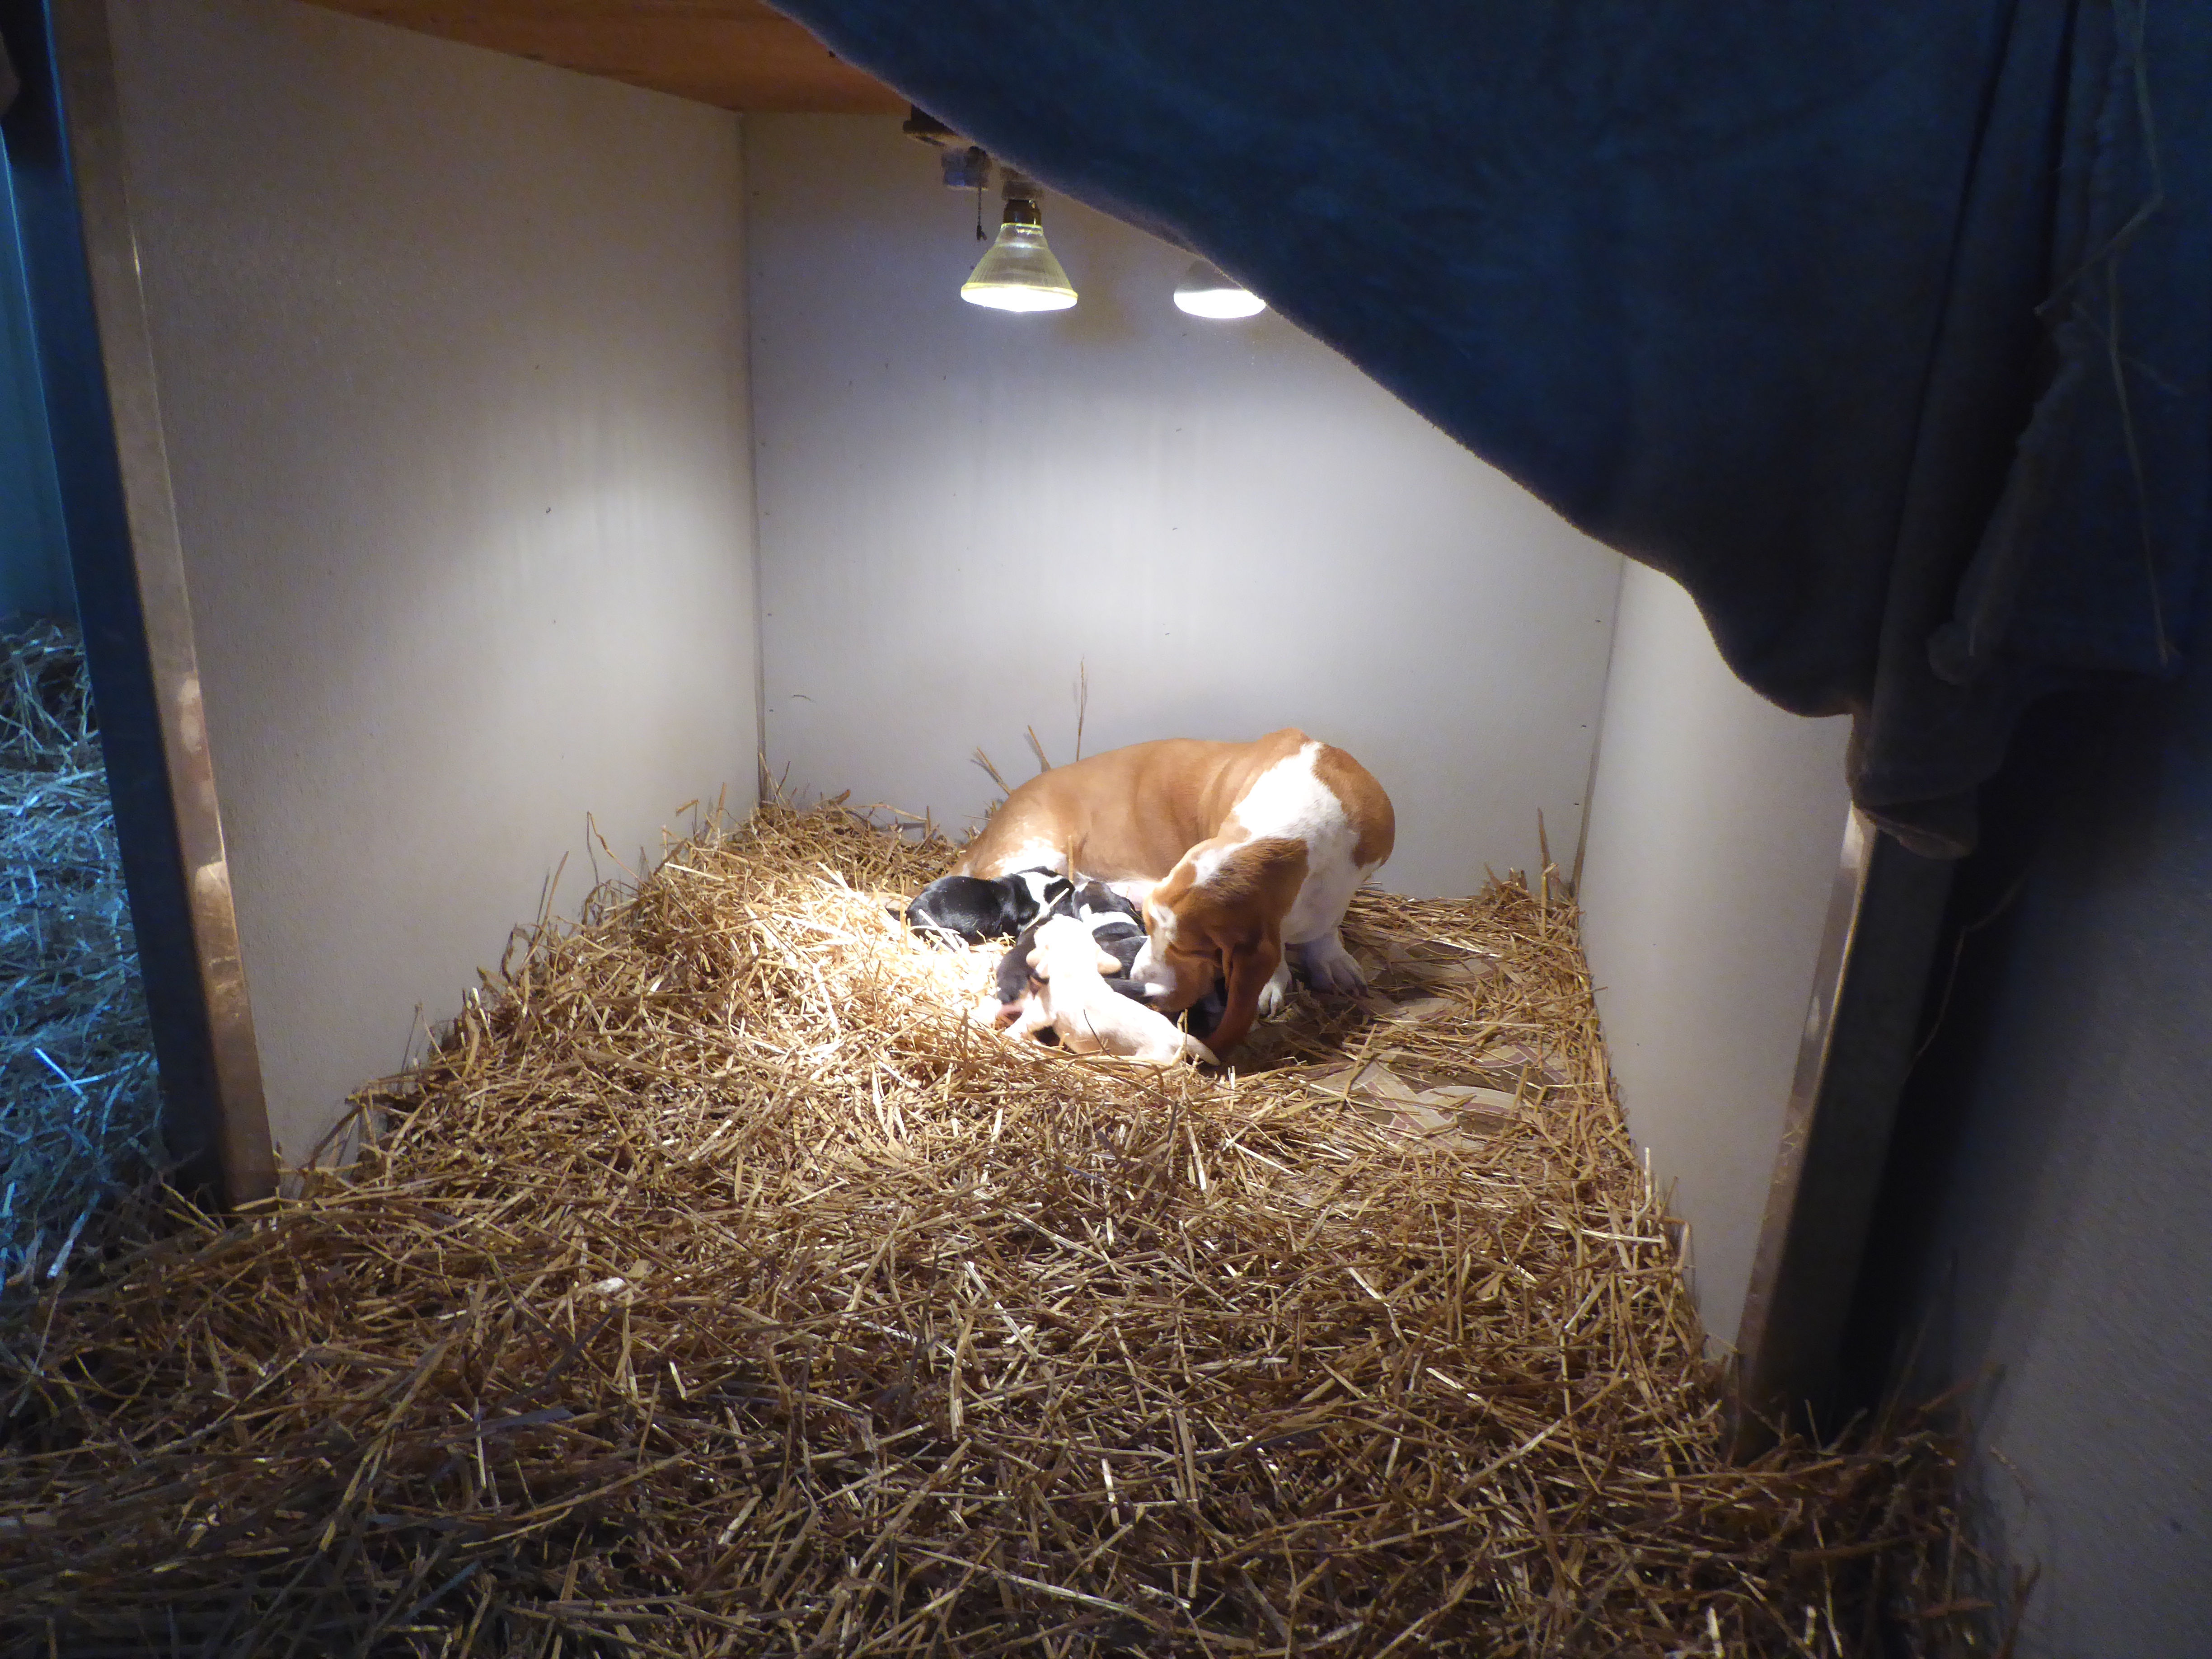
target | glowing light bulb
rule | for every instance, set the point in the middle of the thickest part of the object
(1206, 291)
(1018, 272)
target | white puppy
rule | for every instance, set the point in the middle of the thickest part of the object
(1091, 1016)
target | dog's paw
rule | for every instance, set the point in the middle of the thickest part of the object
(1329, 967)
(1276, 993)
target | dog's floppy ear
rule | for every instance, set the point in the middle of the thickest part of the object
(1246, 967)
(1243, 904)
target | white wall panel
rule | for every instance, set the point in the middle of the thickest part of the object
(451, 350)
(1716, 823)
(1233, 528)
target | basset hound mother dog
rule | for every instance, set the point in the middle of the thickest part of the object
(1237, 852)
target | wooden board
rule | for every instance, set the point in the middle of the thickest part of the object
(736, 54)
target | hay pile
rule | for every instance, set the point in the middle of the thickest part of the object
(714, 1288)
(78, 1102)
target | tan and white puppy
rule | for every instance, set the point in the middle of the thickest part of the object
(1072, 996)
(1237, 851)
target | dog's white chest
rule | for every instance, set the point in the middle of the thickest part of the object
(1289, 801)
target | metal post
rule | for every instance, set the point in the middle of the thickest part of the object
(65, 154)
(1884, 914)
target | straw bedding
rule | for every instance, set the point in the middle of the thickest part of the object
(78, 1096)
(715, 1287)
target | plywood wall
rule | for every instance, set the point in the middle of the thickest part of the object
(1716, 826)
(450, 350)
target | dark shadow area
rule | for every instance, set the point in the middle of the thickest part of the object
(2072, 752)
(2039, 1244)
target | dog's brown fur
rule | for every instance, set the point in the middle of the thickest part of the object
(1150, 811)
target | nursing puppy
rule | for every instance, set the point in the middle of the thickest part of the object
(1114, 922)
(974, 908)
(1117, 924)
(1070, 997)
(1243, 855)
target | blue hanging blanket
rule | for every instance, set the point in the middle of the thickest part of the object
(1886, 328)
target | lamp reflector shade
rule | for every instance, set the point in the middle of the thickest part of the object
(1018, 273)
(1206, 291)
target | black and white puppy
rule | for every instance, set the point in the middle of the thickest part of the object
(972, 909)
(1118, 925)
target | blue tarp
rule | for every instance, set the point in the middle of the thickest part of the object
(1886, 328)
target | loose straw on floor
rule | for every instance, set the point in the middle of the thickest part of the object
(78, 1102)
(716, 1287)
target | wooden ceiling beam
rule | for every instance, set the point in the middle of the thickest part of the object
(735, 54)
